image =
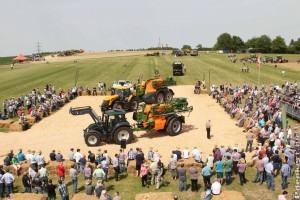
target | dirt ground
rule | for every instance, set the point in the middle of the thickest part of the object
(82, 56)
(61, 131)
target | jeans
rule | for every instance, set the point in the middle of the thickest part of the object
(194, 184)
(270, 181)
(105, 176)
(10, 188)
(65, 198)
(144, 180)
(122, 166)
(260, 176)
(182, 185)
(249, 144)
(208, 133)
(206, 180)
(27, 189)
(228, 177)
(117, 171)
(38, 190)
(78, 166)
(74, 180)
(173, 173)
(235, 168)
(242, 178)
(284, 182)
(45, 180)
(2, 188)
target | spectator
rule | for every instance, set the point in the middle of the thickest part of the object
(21, 156)
(51, 190)
(98, 188)
(282, 196)
(173, 167)
(73, 176)
(242, 169)
(52, 155)
(207, 194)
(206, 172)
(26, 182)
(219, 170)
(88, 188)
(99, 173)
(182, 178)
(40, 159)
(91, 157)
(104, 165)
(285, 169)
(87, 172)
(61, 171)
(63, 190)
(153, 171)
(59, 157)
(77, 157)
(71, 154)
(8, 179)
(115, 163)
(216, 187)
(121, 157)
(139, 161)
(228, 169)
(144, 174)
(37, 183)
(194, 177)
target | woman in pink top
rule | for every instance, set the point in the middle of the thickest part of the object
(144, 173)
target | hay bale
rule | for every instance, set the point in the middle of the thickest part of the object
(204, 91)
(16, 127)
(28, 196)
(31, 120)
(82, 196)
(155, 195)
(188, 163)
(232, 195)
(6, 123)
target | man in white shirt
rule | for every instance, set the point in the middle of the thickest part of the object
(186, 153)
(195, 150)
(9, 180)
(77, 157)
(270, 175)
(281, 135)
(216, 187)
(289, 135)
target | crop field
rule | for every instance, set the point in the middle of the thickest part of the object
(61, 74)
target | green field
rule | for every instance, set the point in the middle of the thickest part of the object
(25, 77)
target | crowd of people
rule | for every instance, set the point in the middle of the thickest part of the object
(37, 103)
(94, 169)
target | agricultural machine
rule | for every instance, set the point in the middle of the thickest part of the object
(113, 125)
(162, 117)
(194, 53)
(122, 97)
(178, 68)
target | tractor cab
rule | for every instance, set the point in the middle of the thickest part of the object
(178, 68)
(122, 91)
(112, 117)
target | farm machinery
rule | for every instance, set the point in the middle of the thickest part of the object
(122, 97)
(178, 68)
(113, 125)
(162, 117)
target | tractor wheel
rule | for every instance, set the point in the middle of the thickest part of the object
(128, 134)
(169, 96)
(174, 127)
(92, 138)
(160, 98)
(117, 105)
(133, 104)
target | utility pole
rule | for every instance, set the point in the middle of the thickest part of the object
(38, 46)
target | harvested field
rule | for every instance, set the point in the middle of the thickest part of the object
(82, 196)
(15, 127)
(232, 195)
(61, 131)
(155, 196)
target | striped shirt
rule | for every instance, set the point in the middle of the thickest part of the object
(63, 190)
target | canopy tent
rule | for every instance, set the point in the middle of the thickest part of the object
(20, 57)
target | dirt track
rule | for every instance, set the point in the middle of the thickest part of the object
(61, 131)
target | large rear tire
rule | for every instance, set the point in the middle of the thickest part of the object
(174, 127)
(117, 105)
(160, 98)
(92, 138)
(169, 96)
(128, 134)
(133, 104)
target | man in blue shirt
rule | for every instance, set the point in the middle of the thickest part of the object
(219, 169)
(285, 169)
(206, 172)
(21, 156)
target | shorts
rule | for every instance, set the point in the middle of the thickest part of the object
(138, 167)
(219, 174)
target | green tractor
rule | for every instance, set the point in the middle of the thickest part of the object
(112, 126)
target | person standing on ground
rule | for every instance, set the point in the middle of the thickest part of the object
(26, 183)
(219, 170)
(285, 169)
(115, 163)
(242, 169)
(182, 178)
(208, 127)
(73, 176)
(270, 175)
(173, 167)
(153, 171)
(61, 171)
(206, 172)
(139, 161)
(260, 166)
(63, 190)
(9, 180)
(228, 169)
(194, 177)
(250, 136)
(144, 174)
(51, 190)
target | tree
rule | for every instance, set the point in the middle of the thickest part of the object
(237, 43)
(199, 47)
(185, 47)
(224, 42)
(278, 45)
(264, 44)
(294, 47)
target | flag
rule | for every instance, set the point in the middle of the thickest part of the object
(258, 61)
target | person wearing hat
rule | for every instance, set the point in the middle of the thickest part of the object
(99, 173)
(242, 169)
(88, 188)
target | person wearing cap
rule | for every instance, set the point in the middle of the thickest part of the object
(242, 169)
(99, 173)
(88, 188)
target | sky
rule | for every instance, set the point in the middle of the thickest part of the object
(97, 25)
